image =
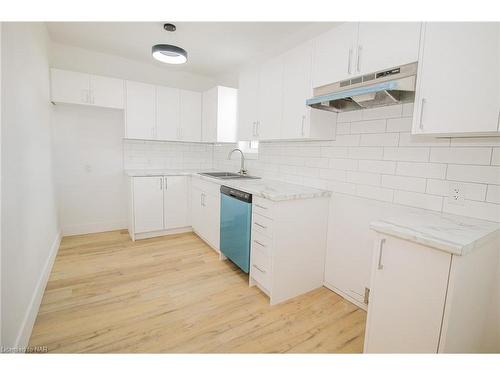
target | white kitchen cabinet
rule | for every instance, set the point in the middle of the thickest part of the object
(107, 92)
(407, 296)
(176, 195)
(167, 113)
(148, 203)
(220, 114)
(158, 205)
(190, 116)
(458, 79)
(270, 99)
(205, 211)
(248, 104)
(383, 45)
(140, 107)
(334, 54)
(277, 255)
(81, 88)
(299, 121)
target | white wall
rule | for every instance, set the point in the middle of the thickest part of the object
(29, 214)
(88, 159)
(82, 60)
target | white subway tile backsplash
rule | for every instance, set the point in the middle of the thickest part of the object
(343, 128)
(409, 140)
(347, 140)
(332, 174)
(384, 139)
(495, 158)
(375, 192)
(406, 153)
(402, 124)
(341, 187)
(462, 155)
(334, 152)
(493, 194)
(377, 166)
(371, 126)
(420, 200)
(407, 110)
(443, 187)
(476, 142)
(474, 173)
(479, 210)
(404, 183)
(372, 153)
(363, 178)
(350, 116)
(382, 112)
(429, 170)
(344, 164)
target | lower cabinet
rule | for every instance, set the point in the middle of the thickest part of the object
(279, 264)
(425, 300)
(205, 211)
(158, 205)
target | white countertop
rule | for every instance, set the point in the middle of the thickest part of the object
(457, 235)
(263, 187)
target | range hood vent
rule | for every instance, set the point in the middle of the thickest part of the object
(382, 88)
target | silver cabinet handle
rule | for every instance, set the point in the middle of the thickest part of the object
(258, 205)
(259, 243)
(166, 183)
(358, 59)
(254, 127)
(303, 120)
(349, 61)
(261, 270)
(498, 121)
(85, 96)
(422, 104)
(161, 183)
(257, 128)
(260, 225)
(380, 265)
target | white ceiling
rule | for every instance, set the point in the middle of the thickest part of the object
(214, 48)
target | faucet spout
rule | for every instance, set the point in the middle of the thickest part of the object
(242, 166)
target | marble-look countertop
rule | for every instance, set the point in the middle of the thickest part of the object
(263, 187)
(457, 235)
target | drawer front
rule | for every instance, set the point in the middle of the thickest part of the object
(261, 276)
(263, 207)
(260, 258)
(210, 188)
(262, 224)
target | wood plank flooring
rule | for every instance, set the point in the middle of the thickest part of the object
(171, 294)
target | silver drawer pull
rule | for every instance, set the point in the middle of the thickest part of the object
(380, 266)
(260, 225)
(259, 206)
(261, 270)
(259, 243)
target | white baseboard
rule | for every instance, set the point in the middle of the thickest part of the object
(346, 296)
(71, 230)
(166, 232)
(24, 335)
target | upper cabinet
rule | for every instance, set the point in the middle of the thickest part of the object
(270, 99)
(354, 49)
(383, 45)
(162, 113)
(219, 114)
(81, 88)
(458, 79)
(248, 104)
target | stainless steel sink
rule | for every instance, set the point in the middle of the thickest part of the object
(229, 176)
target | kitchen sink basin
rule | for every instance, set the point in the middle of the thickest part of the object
(229, 176)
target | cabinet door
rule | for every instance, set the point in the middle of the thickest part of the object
(297, 88)
(148, 204)
(196, 210)
(209, 115)
(333, 56)
(248, 104)
(270, 99)
(190, 115)
(140, 114)
(69, 87)
(167, 113)
(383, 45)
(106, 92)
(211, 209)
(176, 202)
(407, 297)
(458, 82)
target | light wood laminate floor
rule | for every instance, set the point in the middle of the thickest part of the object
(172, 295)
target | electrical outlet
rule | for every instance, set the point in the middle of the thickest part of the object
(456, 194)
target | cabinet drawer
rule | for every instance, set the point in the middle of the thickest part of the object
(207, 187)
(261, 276)
(262, 224)
(263, 207)
(261, 258)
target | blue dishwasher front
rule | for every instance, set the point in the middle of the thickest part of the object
(235, 226)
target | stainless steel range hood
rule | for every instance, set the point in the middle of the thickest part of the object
(385, 87)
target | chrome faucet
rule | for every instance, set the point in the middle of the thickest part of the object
(242, 167)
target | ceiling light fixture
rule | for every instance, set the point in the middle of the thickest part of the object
(168, 53)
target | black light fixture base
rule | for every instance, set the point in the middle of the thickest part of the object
(169, 27)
